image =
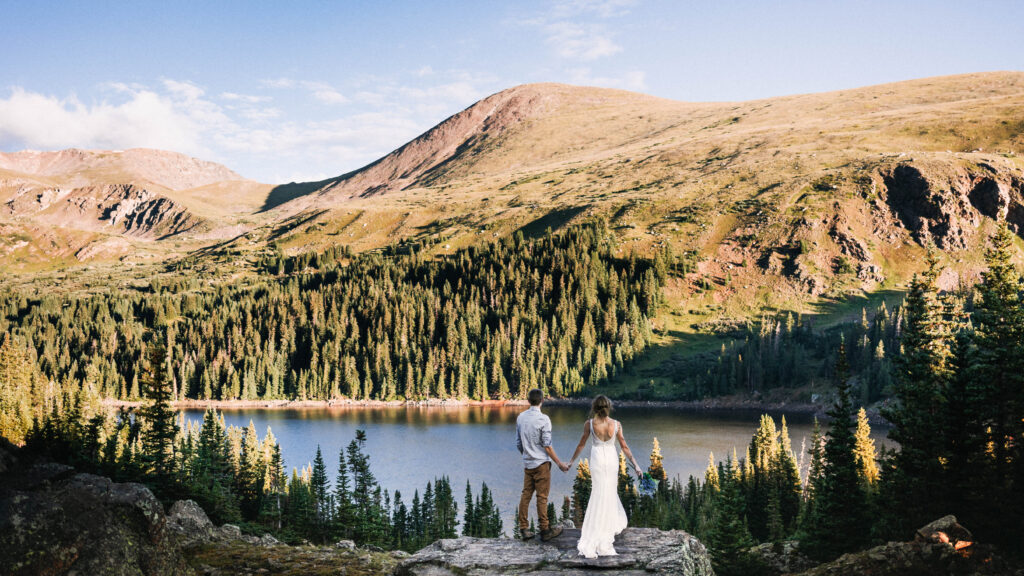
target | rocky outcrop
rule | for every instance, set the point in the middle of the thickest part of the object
(915, 559)
(190, 523)
(940, 547)
(55, 521)
(641, 551)
(944, 203)
(782, 557)
(121, 209)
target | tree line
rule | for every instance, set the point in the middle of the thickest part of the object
(236, 476)
(559, 312)
(956, 413)
(786, 349)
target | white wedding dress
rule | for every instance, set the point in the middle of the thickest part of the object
(605, 516)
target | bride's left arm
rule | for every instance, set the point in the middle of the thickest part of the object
(626, 450)
(583, 442)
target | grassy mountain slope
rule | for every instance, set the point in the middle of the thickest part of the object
(777, 201)
(820, 204)
(64, 207)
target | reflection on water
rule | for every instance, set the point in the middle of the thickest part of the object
(410, 446)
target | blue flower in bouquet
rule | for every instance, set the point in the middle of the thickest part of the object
(647, 485)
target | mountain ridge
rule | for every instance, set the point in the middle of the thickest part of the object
(162, 168)
(735, 183)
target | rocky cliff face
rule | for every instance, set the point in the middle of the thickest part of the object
(942, 547)
(117, 209)
(642, 551)
(55, 521)
(944, 203)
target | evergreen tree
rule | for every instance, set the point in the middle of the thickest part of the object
(657, 469)
(729, 538)
(18, 405)
(160, 419)
(864, 449)
(272, 511)
(581, 488)
(840, 522)
(916, 415)
(251, 474)
(760, 480)
(400, 523)
(787, 479)
(994, 395)
(446, 510)
(469, 520)
(320, 490)
(344, 514)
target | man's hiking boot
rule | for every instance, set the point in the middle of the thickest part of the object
(550, 533)
(526, 534)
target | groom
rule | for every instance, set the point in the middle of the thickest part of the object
(533, 439)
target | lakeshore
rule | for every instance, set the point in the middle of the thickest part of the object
(724, 405)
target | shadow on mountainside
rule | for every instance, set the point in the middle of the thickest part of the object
(655, 373)
(284, 192)
(554, 219)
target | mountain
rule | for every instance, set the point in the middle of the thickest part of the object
(773, 201)
(74, 167)
(74, 205)
(770, 203)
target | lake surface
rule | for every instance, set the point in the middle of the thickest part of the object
(410, 446)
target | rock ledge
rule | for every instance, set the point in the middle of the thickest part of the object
(641, 551)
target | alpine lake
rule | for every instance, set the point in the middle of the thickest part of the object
(412, 445)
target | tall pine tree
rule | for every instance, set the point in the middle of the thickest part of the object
(840, 521)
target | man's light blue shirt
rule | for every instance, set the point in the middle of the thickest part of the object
(533, 434)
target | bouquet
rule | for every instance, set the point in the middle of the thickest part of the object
(647, 485)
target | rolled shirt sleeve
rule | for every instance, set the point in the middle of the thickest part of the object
(519, 439)
(545, 433)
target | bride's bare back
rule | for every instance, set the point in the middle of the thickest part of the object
(604, 428)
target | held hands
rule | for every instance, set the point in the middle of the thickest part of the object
(563, 466)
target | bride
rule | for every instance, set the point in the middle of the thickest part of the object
(605, 517)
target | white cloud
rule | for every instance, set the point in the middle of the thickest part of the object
(576, 29)
(246, 98)
(600, 8)
(325, 93)
(183, 90)
(278, 82)
(240, 129)
(145, 119)
(260, 114)
(635, 80)
(585, 42)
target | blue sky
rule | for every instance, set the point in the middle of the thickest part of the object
(283, 91)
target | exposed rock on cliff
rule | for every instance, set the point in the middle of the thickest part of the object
(943, 547)
(944, 202)
(190, 523)
(641, 551)
(121, 209)
(54, 521)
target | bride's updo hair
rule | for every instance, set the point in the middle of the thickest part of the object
(601, 406)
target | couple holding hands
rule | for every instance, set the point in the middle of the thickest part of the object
(605, 517)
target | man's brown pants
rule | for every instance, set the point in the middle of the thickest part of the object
(535, 480)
